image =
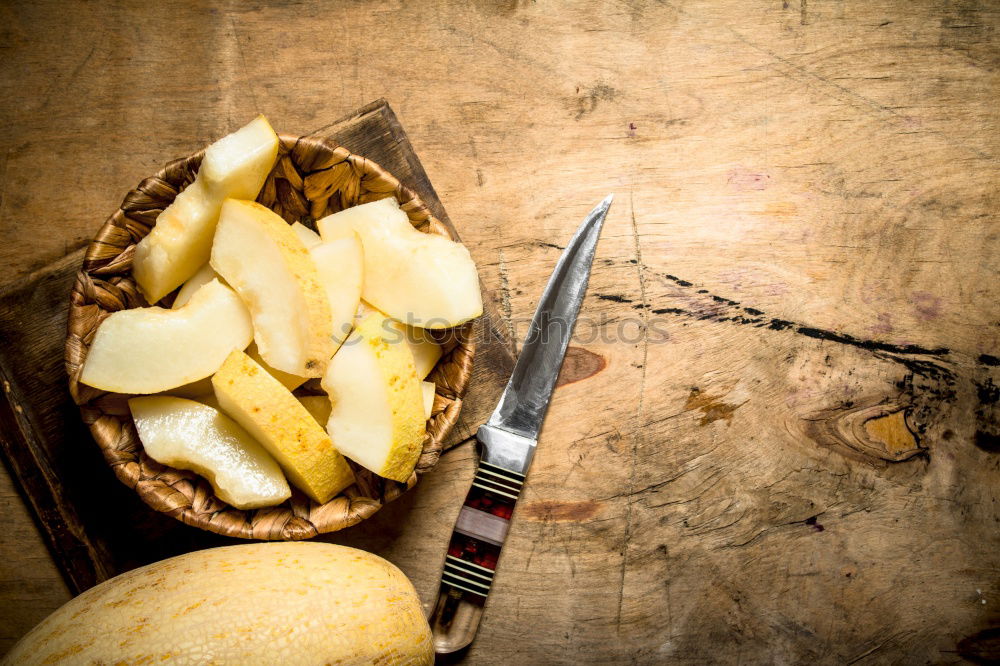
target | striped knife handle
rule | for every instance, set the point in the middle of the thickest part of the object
(479, 534)
(480, 531)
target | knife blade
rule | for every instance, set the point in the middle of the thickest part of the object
(507, 444)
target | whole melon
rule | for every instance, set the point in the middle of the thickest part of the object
(267, 603)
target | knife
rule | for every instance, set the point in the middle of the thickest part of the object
(507, 444)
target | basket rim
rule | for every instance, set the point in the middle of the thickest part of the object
(104, 284)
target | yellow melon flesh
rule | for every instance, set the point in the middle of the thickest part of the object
(273, 416)
(181, 241)
(263, 603)
(420, 279)
(148, 350)
(203, 387)
(308, 237)
(189, 435)
(377, 418)
(340, 266)
(260, 256)
(425, 349)
(204, 275)
(428, 389)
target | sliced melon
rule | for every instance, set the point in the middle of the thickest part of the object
(377, 417)
(148, 350)
(308, 237)
(204, 275)
(420, 279)
(288, 380)
(340, 265)
(425, 349)
(189, 435)
(260, 256)
(181, 241)
(273, 416)
(429, 389)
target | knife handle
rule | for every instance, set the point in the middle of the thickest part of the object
(473, 552)
(481, 529)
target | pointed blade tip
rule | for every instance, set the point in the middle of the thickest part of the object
(603, 207)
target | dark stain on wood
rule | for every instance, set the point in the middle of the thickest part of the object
(987, 392)
(559, 511)
(987, 441)
(987, 435)
(812, 522)
(987, 359)
(683, 283)
(578, 365)
(592, 97)
(711, 406)
(870, 345)
(931, 380)
(615, 298)
(982, 647)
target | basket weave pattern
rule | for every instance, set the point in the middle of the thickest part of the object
(311, 178)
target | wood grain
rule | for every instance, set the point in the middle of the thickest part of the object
(804, 241)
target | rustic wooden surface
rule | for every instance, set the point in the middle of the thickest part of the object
(723, 481)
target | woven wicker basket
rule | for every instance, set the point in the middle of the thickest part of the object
(312, 178)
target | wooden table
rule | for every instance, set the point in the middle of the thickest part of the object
(781, 444)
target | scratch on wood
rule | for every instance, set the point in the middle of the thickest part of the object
(852, 94)
(508, 316)
(870, 651)
(856, 95)
(246, 69)
(652, 487)
(641, 274)
(61, 85)
(518, 56)
(480, 179)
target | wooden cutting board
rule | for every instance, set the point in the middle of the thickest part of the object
(95, 526)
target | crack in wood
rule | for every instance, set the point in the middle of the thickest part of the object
(854, 429)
